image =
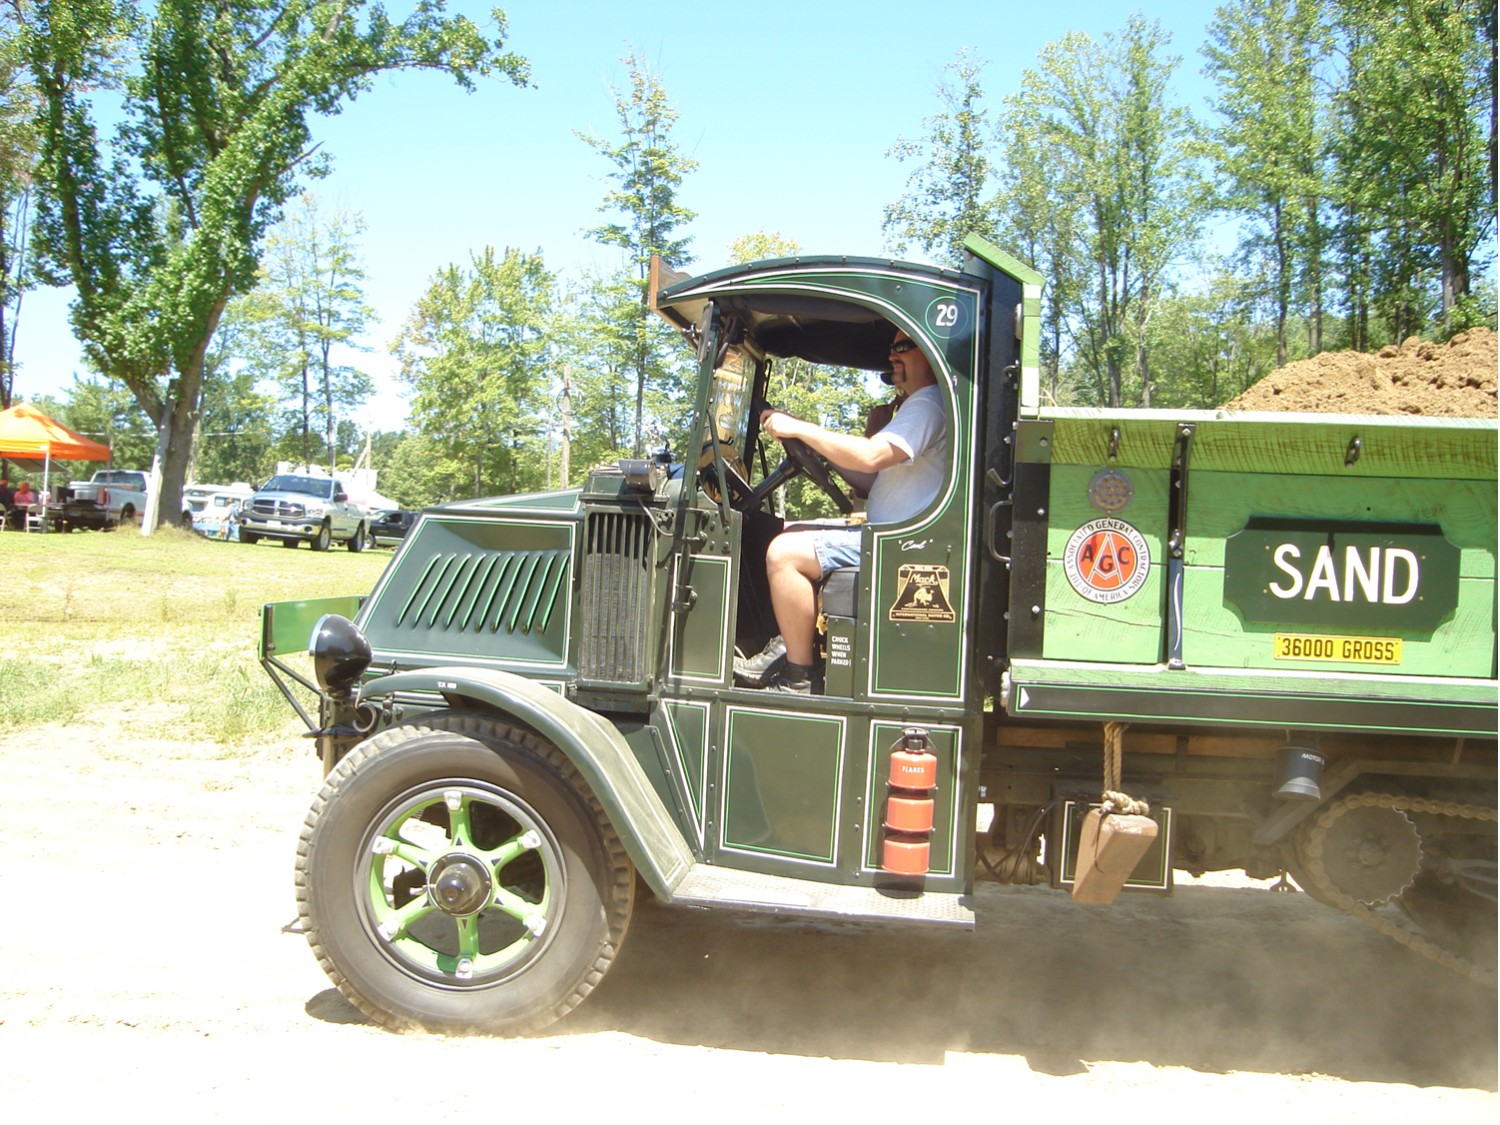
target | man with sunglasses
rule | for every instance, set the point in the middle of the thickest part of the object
(901, 468)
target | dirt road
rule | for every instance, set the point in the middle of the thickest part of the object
(144, 966)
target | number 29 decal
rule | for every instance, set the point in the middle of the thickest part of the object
(945, 317)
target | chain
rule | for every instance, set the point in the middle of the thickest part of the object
(1425, 946)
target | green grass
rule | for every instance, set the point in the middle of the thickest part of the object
(165, 625)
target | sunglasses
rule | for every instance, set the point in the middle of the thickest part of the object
(900, 347)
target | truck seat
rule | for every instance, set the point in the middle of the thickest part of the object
(840, 592)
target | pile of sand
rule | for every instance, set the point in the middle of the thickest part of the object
(1456, 379)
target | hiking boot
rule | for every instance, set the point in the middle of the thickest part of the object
(793, 679)
(753, 671)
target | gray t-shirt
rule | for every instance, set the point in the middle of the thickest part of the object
(920, 431)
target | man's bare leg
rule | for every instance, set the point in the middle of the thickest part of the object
(791, 569)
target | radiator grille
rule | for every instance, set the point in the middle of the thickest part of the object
(616, 598)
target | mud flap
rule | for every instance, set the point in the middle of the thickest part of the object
(1109, 847)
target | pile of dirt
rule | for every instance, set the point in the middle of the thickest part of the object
(1455, 380)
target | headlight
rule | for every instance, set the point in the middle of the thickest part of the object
(340, 654)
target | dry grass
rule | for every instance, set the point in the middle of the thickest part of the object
(114, 619)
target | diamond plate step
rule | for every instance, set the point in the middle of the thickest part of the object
(709, 886)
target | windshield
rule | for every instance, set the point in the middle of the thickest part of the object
(313, 486)
(731, 398)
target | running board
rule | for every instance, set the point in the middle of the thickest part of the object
(722, 888)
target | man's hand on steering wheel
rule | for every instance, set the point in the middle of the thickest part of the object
(801, 457)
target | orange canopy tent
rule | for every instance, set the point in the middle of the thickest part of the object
(26, 434)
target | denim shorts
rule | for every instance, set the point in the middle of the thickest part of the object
(836, 547)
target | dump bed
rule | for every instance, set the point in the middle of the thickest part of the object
(1290, 570)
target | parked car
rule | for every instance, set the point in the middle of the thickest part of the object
(219, 517)
(390, 528)
(213, 509)
(294, 507)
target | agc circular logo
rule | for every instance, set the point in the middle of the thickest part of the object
(1107, 561)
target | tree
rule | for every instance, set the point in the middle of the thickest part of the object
(648, 173)
(599, 350)
(309, 302)
(1415, 162)
(1036, 222)
(945, 198)
(159, 229)
(1271, 145)
(235, 438)
(474, 351)
(1116, 156)
(105, 411)
(1212, 342)
(17, 170)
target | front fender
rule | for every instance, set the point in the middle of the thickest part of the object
(593, 745)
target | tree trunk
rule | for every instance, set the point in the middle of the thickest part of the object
(566, 451)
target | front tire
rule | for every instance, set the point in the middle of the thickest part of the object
(457, 875)
(323, 538)
(249, 538)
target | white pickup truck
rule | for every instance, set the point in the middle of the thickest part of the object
(296, 508)
(121, 493)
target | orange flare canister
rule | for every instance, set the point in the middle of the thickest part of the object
(914, 769)
(905, 857)
(909, 814)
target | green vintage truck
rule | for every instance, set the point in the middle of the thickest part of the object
(1273, 634)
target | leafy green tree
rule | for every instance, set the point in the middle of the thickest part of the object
(104, 410)
(307, 309)
(1212, 343)
(474, 353)
(235, 439)
(1271, 143)
(17, 169)
(1118, 156)
(417, 472)
(160, 228)
(1416, 158)
(602, 381)
(1039, 224)
(648, 171)
(946, 197)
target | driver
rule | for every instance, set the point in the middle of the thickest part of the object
(901, 468)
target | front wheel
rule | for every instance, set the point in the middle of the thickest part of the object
(249, 538)
(457, 875)
(323, 538)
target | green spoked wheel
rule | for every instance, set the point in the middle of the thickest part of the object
(458, 876)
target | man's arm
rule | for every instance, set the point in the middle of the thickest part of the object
(844, 451)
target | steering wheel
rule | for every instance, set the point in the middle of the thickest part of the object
(800, 454)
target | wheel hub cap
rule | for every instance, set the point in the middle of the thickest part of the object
(459, 885)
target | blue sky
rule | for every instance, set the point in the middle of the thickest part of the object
(789, 109)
